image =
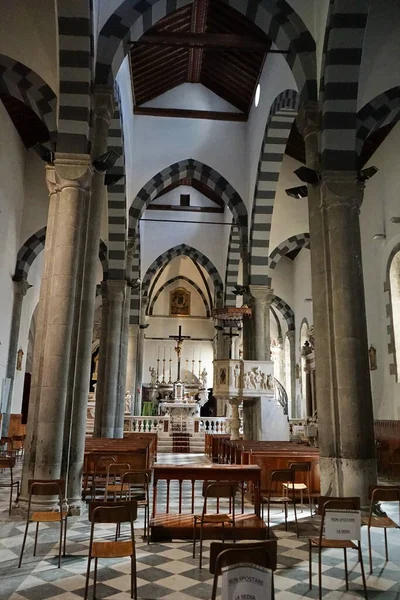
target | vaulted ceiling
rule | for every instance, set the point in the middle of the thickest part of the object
(182, 48)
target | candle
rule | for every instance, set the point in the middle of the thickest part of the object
(193, 354)
(200, 354)
(164, 352)
(170, 353)
(158, 352)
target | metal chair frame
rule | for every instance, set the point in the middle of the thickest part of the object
(387, 493)
(301, 467)
(324, 503)
(8, 462)
(263, 554)
(138, 482)
(216, 490)
(112, 512)
(52, 487)
(101, 463)
(116, 470)
(280, 476)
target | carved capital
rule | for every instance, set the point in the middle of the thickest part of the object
(262, 293)
(103, 102)
(116, 289)
(291, 335)
(21, 287)
(73, 171)
(308, 119)
(341, 188)
(51, 179)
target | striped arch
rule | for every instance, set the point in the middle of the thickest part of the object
(116, 197)
(232, 266)
(279, 123)
(177, 278)
(25, 85)
(34, 246)
(75, 51)
(301, 240)
(276, 18)
(343, 45)
(134, 315)
(192, 169)
(285, 310)
(378, 112)
(195, 255)
(277, 321)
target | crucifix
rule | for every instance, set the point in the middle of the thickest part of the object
(179, 341)
(230, 335)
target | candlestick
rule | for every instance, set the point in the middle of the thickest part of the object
(158, 371)
(193, 375)
(163, 372)
(186, 369)
(170, 371)
(199, 368)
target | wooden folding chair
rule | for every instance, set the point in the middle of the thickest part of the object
(218, 491)
(320, 542)
(263, 554)
(40, 487)
(386, 493)
(116, 513)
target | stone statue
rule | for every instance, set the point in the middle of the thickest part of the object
(247, 381)
(128, 402)
(258, 377)
(253, 380)
(236, 375)
(203, 378)
(270, 383)
(264, 381)
(153, 376)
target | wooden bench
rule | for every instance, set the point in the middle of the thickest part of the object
(166, 524)
(213, 444)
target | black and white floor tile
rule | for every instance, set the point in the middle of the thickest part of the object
(168, 570)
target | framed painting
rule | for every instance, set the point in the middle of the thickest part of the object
(179, 303)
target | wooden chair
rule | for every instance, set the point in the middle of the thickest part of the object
(7, 446)
(115, 513)
(300, 467)
(100, 473)
(138, 484)
(18, 445)
(114, 485)
(283, 476)
(263, 554)
(40, 487)
(218, 490)
(8, 462)
(320, 542)
(386, 493)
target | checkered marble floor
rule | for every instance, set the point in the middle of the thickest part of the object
(168, 570)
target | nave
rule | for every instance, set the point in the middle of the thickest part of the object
(168, 570)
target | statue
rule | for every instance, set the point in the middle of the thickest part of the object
(264, 381)
(128, 402)
(247, 381)
(153, 376)
(306, 350)
(372, 359)
(270, 383)
(203, 378)
(236, 375)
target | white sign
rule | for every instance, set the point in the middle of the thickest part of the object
(246, 582)
(342, 524)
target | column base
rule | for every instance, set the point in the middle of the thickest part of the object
(348, 477)
(76, 507)
(51, 504)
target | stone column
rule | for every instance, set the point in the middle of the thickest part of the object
(291, 335)
(262, 298)
(73, 177)
(116, 297)
(343, 392)
(140, 356)
(235, 420)
(119, 415)
(133, 337)
(98, 414)
(20, 289)
(281, 363)
(103, 106)
(28, 468)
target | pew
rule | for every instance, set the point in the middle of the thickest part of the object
(212, 443)
(176, 522)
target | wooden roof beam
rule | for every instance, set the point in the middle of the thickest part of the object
(183, 113)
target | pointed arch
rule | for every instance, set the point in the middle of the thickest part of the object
(279, 123)
(232, 265)
(382, 110)
(295, 242)
(276, 18)
(172, 280)
(197, 257)
(19, 81)
(193, 169)
(285, 310)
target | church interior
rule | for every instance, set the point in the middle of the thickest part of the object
(200, 298)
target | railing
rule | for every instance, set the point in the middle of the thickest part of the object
(213, 424)
(144, 424)
(136, 424)
(281, 396)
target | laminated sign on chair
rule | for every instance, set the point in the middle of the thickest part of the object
(246, 581)
(343, 524)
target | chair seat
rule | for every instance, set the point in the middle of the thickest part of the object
(294, 486)
(47, 517)
(277, 499)
(139, 496)
(333, 543)
(115, 487)
(386, 522)
(112, 549)
(214, 518)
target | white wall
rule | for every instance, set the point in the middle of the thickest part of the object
(28, 34)
(36, 205)
(282, 280)
(193, 96)
(12, 157)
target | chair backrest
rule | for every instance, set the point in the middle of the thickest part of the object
(101, 464)
(7, 462)
(335, 503)
(47, 487)
(303, 467)
(262, 553)
(117, 469)
(384, 493)
(137, 478)
(122, 511)
(220, 489)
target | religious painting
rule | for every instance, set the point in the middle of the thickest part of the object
(222, 376)
(179, 302)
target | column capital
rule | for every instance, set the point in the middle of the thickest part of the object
(51, 179)
(340, 188)
(291, 335)
(262, 293)
(21, 287)
(103, 101)
(73, 170)
(308, 118)
(134, 329)
(115, 287)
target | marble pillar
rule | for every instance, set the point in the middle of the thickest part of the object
(235, 420)
(103, 107)
(120, 410)
(102, 362)
(116, 291)
(20, 289)
(291, 336)
(262, 297)
(140, 355)
(133, 335)
(73, 175)
(343, 388)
